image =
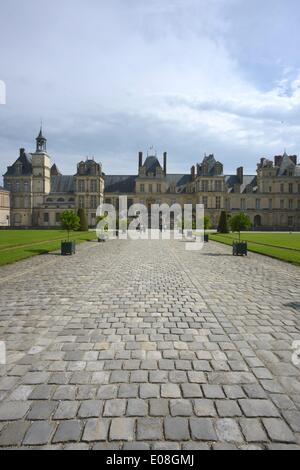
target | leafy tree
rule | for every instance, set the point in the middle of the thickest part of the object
(83, 220)
(69, 222)
(223, 223)
(239, 223)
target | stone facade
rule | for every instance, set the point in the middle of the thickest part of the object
(39, 192)
(4, 208)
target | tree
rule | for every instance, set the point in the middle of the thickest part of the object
(239, 223)
(207, 222)
(223, 223)
(69, 222)
(83, 220)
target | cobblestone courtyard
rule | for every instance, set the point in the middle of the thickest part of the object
(138, 345)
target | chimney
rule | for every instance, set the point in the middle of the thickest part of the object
(22, 151)
(165, 163)
(140, 159)
(240, 174)
(278, 160)
(193, 172)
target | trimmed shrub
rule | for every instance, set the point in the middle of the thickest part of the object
(83, 220)
(223, 223)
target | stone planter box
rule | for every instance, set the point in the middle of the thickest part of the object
(240, 249)
(68, 248)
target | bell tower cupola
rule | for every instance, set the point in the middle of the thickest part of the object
(41, 143)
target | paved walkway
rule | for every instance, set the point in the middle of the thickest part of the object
(145, 345)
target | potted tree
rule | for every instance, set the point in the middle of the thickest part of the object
(207, 225)
(69, 222)
(239, 223)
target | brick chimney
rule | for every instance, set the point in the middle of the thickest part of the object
(165, 162)
(240, 174)
(278, 160)
(193, 172)
(140, 159)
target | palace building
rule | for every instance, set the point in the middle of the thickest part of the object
(4, 208)
(36, 193)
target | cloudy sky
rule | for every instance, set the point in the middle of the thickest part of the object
(112, 77)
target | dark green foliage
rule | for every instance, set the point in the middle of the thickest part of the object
(69, 222)
(223, 223)
(83, 220)
(239, 223)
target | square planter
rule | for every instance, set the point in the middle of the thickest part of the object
(68, 248)
(240, 248)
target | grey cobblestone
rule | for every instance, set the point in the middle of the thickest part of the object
(131, 345)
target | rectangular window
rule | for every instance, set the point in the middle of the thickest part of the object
(299, 188)
(205, 186)
(142, 187)
(270, 204)
(218, 202)
(150, 188)
(290, 221)
(81, 202)
(257, 204)
(282, 188)
(205, 201)
(57, 217)
(218, 186)
(17, 187)
(46, 217)
(26, 186)
(282, 204)
(93, 202)
(81, 186)
(159, 188)
(291, 204)
(243, 204)
(93, 186)
(291, 188)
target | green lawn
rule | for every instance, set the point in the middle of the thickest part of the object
(283, 246)
(16, 245)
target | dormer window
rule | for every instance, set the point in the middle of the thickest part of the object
(19, 168)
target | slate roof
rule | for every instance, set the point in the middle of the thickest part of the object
(62, 184)
(151, 164)
(119, 184)
(248, 180)
(25, 160)
(180, 181)
(286, 164)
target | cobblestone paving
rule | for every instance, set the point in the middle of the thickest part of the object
(138, 345)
